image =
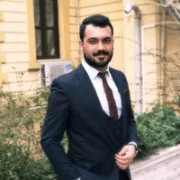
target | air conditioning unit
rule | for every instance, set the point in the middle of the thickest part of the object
(51, 70)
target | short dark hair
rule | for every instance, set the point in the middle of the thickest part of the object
(96, 20)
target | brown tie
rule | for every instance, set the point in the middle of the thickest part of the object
(109, 96)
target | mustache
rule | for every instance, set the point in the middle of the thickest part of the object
(101, 52)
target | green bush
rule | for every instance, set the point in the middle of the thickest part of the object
(157, 129)
(21, 157)
(16, 164)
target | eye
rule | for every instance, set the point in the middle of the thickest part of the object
(107, 40)
(93, 41)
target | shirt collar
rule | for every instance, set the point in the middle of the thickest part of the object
(92, 72)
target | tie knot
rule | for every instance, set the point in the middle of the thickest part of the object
(102, 74)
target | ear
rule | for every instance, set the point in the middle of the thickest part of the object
(113, 40)
(81, 45)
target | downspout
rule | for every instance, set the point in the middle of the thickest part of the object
(162, 45)
(147, 26)
(138, 61)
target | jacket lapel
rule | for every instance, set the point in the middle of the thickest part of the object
(88, 89)
(120, 86)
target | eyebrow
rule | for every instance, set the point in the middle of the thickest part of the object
(107, 37)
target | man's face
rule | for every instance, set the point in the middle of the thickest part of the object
(97, 46)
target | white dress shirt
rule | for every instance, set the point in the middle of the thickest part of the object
(98, 86)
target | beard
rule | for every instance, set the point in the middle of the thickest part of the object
(102, 64)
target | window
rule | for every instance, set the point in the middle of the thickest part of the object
(46, 29)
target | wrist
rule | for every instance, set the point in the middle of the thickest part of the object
(135, 147)
(133, 144)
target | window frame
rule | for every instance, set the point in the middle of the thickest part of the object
(43, 27)
(64, 26)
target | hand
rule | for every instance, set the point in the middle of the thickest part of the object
(125, 157)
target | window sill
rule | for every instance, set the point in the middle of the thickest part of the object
(43, 61)
(37, 65)
(34, 66)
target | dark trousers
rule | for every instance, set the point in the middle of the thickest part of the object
(87, 175)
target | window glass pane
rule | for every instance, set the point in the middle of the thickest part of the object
(36, 13)
(49, 11)
(51, 44)
(38, 43)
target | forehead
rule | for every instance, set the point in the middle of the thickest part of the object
(98, 32)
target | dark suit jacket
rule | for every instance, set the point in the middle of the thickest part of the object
(74, 107)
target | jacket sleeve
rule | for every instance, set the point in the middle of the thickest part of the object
(55, 124)
(132, 128)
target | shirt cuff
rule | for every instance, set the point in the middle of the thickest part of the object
(133, 144)
(78, 178)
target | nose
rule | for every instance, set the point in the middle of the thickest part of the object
(100, 46)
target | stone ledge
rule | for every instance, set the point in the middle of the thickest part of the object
(161, 165)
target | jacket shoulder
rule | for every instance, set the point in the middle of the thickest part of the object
(65, 77)
(66, 80)
(117, 72)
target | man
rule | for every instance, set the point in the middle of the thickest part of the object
(92, 104)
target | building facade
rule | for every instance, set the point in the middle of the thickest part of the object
(36, 32)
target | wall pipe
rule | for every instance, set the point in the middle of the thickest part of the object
(147, 26)
(138, 61)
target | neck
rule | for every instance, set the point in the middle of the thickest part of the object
(101, 69)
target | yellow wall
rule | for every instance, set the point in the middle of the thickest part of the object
(17, 44)
(150, 39)
(14, 48)
(2, 55)
(19, 68)
(172, 63)
(73, 31)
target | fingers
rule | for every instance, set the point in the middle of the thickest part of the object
(123, 162)
(125, 157)
(122, 166)
(123, 151)
(128, 151)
